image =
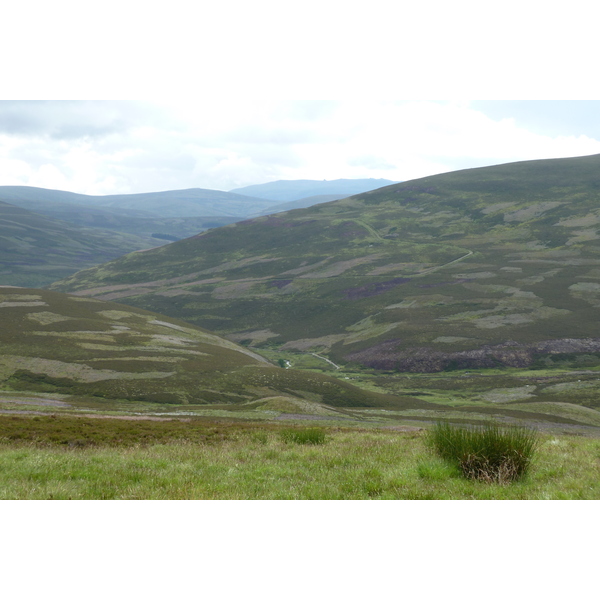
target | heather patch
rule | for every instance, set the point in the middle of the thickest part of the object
(160, 340)
(104, 336)
(19, 297)
(408, 268)
(497, 207)
(530, 212)
(233, 290)
(374, 289)
(76, 372)
(341, 267)
(480, 275)
(582, 235)
(450, 339)
(585, 221)
(125, 294)
(427, 286)
(256, 336)
(588, 291)
(366, 329)
(188, 330)
(117, 314)
(324, 342)
(47, 318)
(280, 283)
(22, 303)
(421, 301)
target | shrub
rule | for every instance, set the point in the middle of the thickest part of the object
(303, 436)
(489, 453)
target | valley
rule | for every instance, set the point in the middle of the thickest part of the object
(474, 269)
(466, 297)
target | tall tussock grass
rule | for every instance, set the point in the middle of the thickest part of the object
(489, 453)
(303, 436)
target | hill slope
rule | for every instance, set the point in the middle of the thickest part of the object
(36, 250)
(301, 203)
(481, 267)
(52, 343)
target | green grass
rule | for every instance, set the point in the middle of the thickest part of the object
(303, 436)
(489, 452)
(212, 460)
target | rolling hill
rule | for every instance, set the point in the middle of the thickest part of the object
(35, 250)
(195, 202)
(495, 266)
(68, 349)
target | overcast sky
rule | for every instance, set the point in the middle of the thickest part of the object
(245, 75)
(109, 147)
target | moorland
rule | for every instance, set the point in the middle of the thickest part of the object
(464, 297)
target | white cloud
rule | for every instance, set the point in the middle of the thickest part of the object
(125, 147)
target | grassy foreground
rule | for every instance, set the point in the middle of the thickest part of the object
(79, 458)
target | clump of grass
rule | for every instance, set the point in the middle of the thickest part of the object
(489, 453)
(303, 436)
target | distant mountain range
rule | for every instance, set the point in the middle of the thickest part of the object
(302, 203)
(67, 232)
(296, 189)
(194, 202)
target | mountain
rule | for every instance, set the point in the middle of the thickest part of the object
(288, 190)
(193, 202)
(69, 350)
(495, 266)
(36, 250)
(301, 203)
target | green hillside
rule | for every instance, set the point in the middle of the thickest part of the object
(173, 228)
(66, 350)
(195, 202)
(496, 266)
(301, 203)
(36, 250)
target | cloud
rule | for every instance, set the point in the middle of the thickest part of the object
(126, 147)
(70, 120)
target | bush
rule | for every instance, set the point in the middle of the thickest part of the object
(303, 436)
(489, 453)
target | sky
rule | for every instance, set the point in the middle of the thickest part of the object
(114, 147)
(107, 99)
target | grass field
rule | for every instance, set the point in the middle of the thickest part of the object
(48, 457)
